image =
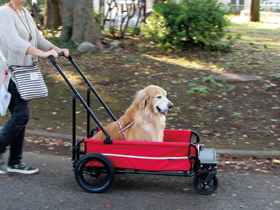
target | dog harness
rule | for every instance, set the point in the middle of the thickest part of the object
(122, 130)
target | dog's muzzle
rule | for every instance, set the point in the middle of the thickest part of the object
(165, 112)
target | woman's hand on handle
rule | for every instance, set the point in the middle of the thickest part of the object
(49, 53)
(65, 51)
(57, 49)
(53, 51)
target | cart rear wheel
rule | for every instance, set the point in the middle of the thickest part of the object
(94, 173)
(201, 187)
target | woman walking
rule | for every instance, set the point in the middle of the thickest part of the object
(19, 41)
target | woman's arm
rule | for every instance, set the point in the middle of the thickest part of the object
(36, 52)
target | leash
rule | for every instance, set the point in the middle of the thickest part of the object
(122, 130)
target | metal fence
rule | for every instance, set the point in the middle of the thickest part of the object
(119, 15)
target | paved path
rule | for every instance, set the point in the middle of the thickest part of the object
(55, 188)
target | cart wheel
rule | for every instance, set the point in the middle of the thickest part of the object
(94, 173)
(204, 189)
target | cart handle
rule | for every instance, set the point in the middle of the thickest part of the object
(107, 140)
(195, 134)
(52, 58)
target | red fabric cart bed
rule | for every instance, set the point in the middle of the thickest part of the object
(170, 155)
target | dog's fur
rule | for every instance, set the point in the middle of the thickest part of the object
(148, 113)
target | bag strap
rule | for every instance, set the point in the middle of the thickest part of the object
(6, 73)
(4, 59)
(35, 60)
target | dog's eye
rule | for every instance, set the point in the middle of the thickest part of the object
(158, 96)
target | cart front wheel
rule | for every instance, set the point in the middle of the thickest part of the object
(202, 187)
(94, 173)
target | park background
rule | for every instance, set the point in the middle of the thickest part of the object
(229, 95)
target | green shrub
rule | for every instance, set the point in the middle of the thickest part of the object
(187, 24)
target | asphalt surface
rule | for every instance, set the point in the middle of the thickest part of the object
(55, 187)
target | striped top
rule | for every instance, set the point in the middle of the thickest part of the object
(14, 40)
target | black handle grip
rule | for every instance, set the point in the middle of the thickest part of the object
(52, 58)
(60, 54)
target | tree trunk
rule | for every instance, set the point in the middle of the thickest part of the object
(28, 2)
(255, 11)
(84, 27)
(67, 20)
(52, 18)
(35, 13)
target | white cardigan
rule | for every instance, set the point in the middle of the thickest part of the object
(14, 40)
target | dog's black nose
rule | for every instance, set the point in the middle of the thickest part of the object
(170, 106)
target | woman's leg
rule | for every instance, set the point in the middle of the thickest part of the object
(16, 148)
(13, 131)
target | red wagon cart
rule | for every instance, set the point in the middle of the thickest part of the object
(96, 161)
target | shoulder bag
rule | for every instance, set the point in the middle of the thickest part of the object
(30, 82)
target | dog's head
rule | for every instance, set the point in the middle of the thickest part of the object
(153, 98)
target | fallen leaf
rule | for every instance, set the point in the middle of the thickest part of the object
(49, 129)
(109, 206)
(276, 161)
(217, 134)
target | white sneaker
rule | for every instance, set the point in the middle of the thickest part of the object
(23, 169)
(3, 168)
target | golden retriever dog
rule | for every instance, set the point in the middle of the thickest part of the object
(144, 120)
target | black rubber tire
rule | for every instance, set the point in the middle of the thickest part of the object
(94, 179)
(198, 183)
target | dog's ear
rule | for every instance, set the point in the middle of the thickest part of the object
(141, 99)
